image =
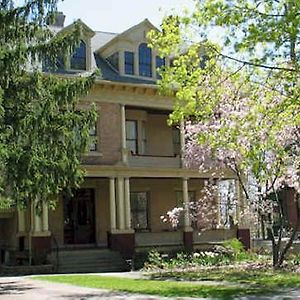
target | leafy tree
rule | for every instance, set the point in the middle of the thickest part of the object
(240, 100)
(43, 131)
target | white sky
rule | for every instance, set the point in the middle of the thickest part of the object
(119, 15)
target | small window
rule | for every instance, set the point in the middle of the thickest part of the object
(129, 62)
(145, 60)
(78, 59)
(58, 65)
(139, 210)
(160, 62)
(93, 136)
(132, 136)
(114, 60)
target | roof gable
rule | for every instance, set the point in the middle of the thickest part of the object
(86, 30)
(141, 27)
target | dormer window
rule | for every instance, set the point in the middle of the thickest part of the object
(129, 62)
(160, 62)
(78, 59)
(145, 60)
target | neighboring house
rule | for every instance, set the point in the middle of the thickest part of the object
(134, 170)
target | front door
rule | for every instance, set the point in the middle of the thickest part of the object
(79, 217)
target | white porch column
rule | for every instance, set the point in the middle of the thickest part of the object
(21, 220)
(120, 197)
(45, 217)
(182, 141)
(123, 134)
(127, 203)
(185, 194)
(112, 203)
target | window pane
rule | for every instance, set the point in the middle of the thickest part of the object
(160, 62)
(93, 137)
(131, 129)
(78, 59)
(228, 204)
(176, 140)
(131, 145)
(56, 66)
(139, 210)
(129, 63)
(145, 60)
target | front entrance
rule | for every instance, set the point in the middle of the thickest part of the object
(79, 217)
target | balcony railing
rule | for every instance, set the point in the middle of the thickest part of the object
(154, 161)
(151, 239)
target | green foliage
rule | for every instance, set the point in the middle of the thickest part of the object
(43, 130)
(294, 259)
(232, 252)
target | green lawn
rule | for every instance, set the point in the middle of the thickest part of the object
(258, 279)
(156, 287)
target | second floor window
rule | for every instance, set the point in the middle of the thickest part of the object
(93, 136)
(78, 59)
(132, 136)
(176, 140)
(129, 62)
(145, 60)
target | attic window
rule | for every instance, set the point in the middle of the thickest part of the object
(160, 62)
(129, 63)
(145, 60)
(78, 59)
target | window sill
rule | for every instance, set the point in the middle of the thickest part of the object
(94, 154)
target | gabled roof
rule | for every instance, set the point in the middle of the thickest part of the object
(87, 30)
(99, 40)
(144, 23)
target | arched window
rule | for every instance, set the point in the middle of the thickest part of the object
(78, 59)
(145, 60)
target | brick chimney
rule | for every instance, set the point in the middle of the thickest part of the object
(59, 19)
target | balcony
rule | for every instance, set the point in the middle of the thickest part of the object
(153, 161)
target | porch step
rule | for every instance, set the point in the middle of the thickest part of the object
(89, 261)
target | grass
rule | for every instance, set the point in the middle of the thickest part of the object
(258, 279)
(155, 287)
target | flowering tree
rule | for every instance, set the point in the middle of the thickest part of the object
(240, 100)
(243, 134)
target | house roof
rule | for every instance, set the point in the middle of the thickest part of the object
(145, 22)
(99, 40)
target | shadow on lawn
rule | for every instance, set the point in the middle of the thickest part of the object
(13, 287)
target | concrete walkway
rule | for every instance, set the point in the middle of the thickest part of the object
(25, 288)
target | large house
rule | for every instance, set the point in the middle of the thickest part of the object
(134, 169)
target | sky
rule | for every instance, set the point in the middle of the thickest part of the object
(119, 15)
